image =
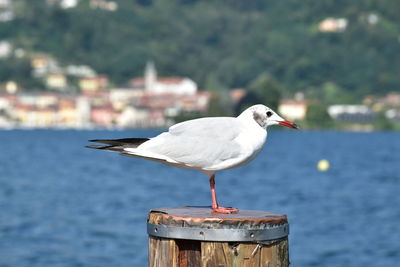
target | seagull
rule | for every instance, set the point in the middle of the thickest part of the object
(208, 144)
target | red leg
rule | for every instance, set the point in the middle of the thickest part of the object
(215, 206)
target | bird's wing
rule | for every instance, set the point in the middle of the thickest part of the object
(211, 127)
(201, 143)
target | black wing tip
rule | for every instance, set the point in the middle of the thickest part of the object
(120, 142)
(95, 147)
(96, 140)
(108, 148)
(105, 141)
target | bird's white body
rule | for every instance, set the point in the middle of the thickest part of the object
(206, 144)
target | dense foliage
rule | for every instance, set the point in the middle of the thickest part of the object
(228, 43)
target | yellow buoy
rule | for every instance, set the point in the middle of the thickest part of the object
(323, 165)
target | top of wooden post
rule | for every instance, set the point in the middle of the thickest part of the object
(200, 215)
(201, 223)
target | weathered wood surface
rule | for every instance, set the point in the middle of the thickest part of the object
(164, 252)
(198, 216)
(180, 252)
(189, 252)
(245, 254)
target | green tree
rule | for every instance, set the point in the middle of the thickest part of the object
(247, 101)
(267, 89)
(334, 94)
(20, 71)
(219, 105)
(317, 116)
(382, 123)
(213, 84)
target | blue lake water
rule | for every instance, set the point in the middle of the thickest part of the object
(64, 205)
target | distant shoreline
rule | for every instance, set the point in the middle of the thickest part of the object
(355, 130)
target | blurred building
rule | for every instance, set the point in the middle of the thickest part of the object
(56, 81)
(151, 101)
(104, 5)
(6, 10)
(293, 109)
(132, 117)
(124, 97)
(389, 104)
(333, 25)
(80, 71)
(237, 94)
(43, 64)
(94, 83)
(65, 4)
(6, 49)
(163, 85)
(393, 114)
(11, 87)
(390, 100)
(351, 113)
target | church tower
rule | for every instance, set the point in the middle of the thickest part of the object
(150, 76)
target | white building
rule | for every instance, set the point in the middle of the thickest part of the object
(65, 4)
(173, 85)
(351, 113)
(133, 117)
(333, 25)
(68, 3)
(292, 109)
(80, 71)
(6, 10)
(83, 108)
(5, 49)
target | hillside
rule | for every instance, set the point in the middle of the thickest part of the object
(228, 43)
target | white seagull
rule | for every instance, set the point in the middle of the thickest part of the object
(207, 144)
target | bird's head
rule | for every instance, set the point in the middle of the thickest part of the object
(265, 117)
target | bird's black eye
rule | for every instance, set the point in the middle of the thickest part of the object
(269, 114)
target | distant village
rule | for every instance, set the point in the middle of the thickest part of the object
(145, 102)
(148, 101)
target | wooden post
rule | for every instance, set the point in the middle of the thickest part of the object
(196, 236)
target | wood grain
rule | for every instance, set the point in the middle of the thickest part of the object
(189, 253)
(193, 253)
(163, 252)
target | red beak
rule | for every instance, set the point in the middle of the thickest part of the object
(288, 124)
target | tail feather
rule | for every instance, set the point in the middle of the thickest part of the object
(109, 148)
(95, 147)
(124, 147)
(117, 145)
(123, 141)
